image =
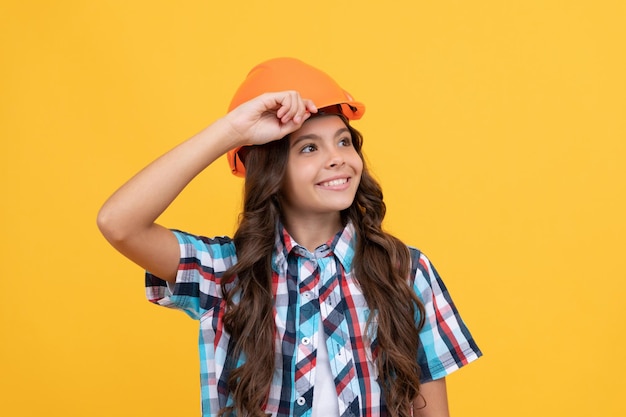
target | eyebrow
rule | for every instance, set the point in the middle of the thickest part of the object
(314, 136)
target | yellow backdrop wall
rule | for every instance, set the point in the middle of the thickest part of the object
(497, 129)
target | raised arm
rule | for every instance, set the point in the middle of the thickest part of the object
(127, 218)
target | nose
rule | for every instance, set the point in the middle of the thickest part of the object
(335, 159)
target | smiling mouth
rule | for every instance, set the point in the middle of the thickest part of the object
(334, 183)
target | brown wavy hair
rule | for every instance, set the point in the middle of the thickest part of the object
(381, 265)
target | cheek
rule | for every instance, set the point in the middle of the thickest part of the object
(292, 183)
(358, 163)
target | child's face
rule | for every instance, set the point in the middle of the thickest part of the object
(323, 169)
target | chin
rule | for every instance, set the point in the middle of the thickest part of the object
(342, 206)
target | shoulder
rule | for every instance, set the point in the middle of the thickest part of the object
(422, 268)
(419, 261)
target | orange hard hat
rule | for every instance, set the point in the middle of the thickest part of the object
(282, 74)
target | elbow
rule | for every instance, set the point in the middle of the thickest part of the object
(110, 226)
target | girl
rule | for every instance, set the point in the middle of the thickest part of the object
(311, 309)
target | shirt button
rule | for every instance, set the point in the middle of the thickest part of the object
(301, 401)
(306, 341)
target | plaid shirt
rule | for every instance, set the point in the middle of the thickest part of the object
(317, 300)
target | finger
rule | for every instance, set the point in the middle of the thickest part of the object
(307, 108)
(310, 106)
(301, 112)
(295, 103)
(304, 117)
(284, 101)
(289, 104)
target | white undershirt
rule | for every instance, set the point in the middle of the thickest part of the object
(325, 401)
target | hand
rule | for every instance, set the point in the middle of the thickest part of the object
(269, 117)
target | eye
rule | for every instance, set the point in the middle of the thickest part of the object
(345, 141)
(308, 148)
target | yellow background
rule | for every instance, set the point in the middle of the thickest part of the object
(497, 129)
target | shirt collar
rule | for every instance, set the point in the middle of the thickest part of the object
(341, 245)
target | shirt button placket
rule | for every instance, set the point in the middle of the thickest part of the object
(308, 268)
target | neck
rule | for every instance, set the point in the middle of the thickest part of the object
(315, 230)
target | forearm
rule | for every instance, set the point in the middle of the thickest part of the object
(140, 201)
(433, 400)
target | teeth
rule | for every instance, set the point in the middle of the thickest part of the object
(335, 182)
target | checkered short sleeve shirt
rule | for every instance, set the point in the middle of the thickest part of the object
(317, 300)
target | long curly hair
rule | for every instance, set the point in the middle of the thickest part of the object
(381, 265)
